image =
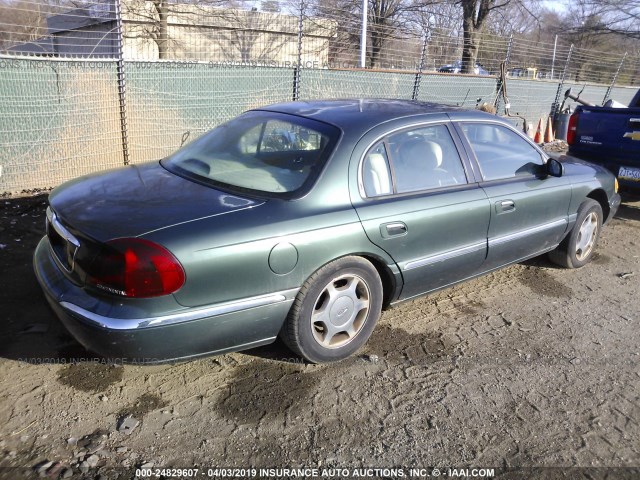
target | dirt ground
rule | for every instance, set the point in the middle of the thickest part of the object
(531, 366)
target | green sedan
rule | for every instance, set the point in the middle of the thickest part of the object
(304, 220)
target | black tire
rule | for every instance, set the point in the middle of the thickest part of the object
(341, 287)
(569, 254)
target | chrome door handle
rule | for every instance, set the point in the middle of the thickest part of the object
(393, 229)
(505, 206)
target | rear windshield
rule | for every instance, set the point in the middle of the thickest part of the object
(262, 152)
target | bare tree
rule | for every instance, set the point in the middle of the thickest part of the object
(474, 16)
(26, 20)
(161, 37)
(385, 17)
(149, 19)
(617, 17)
(387, 20)
(442, 22)
(271, 6)
(344, 43)
(253, 36)
(517, 17)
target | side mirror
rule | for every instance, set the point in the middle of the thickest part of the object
(554, 168)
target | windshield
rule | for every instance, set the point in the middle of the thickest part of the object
(261, 151)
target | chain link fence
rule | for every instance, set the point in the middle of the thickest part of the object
(93, 85)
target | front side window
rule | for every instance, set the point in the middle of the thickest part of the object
(412, 160)
(259, 151)
(501, 152)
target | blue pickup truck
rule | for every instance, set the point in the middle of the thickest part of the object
(610, 137)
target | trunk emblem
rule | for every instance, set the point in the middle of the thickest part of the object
(632, 135)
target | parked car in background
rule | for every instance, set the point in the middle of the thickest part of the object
(304, 220)
(523, 72)
(456, 67)
(608, 136)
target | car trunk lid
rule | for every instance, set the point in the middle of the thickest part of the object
(86, 213)
(132, 201)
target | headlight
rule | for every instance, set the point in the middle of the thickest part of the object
(615, 185)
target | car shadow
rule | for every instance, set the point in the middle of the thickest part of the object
(33, 334)
(630, 207)
(30, 331)
(541, 261)
(276, 351)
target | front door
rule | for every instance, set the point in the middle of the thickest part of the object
(529, 210)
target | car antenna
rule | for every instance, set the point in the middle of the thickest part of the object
(465, 98)
(185, 135)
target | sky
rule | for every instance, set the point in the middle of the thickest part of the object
(555, 5)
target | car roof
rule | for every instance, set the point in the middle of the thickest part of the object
(361, 114)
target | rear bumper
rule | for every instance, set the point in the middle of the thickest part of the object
(158, 330)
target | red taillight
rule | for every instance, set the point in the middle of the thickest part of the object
(571, 130)
(134, 267)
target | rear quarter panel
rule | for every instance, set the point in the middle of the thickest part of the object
(233, 257)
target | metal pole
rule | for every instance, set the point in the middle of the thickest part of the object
(296, 72)
(423, 54)
(121, 83)
(556, 102)
(363, 34)
(615, 78)
(507, 59)
(553, 60)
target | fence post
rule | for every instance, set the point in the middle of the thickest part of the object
(423, 54)
(121, 83)
(296, 71)
(363, 34)
(615, 78)
(556, 103)
(553, 60)
(507, 59)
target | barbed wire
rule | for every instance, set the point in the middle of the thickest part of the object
(266, 33)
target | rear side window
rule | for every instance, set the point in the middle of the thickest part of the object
(376, 174)
(412, 160)
(501, 152)
(260, 152)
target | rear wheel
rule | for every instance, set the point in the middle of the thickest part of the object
(577, 248)
(335, 311)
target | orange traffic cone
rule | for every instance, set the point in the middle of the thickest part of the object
(538, 137)
(548, 135)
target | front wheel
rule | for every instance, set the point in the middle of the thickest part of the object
(577, 248)
(335, 311)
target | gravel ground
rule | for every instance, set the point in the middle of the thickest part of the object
(531, 366)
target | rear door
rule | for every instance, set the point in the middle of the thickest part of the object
(418, 200)
(529, 210)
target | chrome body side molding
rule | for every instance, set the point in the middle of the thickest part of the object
(529, 231)
(112, 323)
(441, 257)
